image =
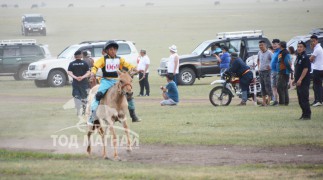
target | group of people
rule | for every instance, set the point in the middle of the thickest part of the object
(278, 67)
(83, 70)
(281, 68)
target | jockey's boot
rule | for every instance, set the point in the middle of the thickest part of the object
(133, 115)
(90, 122)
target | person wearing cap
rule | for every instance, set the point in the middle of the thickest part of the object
(224, 59)
(79, 71)
(264, 60)
(240, 69)
(110, 64)
(284, 70)
(317, 64)
(302, 80)
(173, 63)
(274, 71)
(143, 66)
(87, 58)
(216, 49)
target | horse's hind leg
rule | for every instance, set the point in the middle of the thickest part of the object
(89, 142)
(126, 129)
(104, 155)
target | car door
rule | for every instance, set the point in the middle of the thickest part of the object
(31, 53)
(1, 59)
(11, 59)
(209, 63)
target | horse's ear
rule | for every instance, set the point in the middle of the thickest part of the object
(119, 73)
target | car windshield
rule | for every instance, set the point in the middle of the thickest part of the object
(68, 52)
(34, 19)
(199, 49)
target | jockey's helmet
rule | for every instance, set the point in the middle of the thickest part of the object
(111, 44)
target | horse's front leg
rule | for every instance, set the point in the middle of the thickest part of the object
(126, 129)
(114, 138)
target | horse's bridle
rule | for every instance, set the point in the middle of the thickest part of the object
(124, 85)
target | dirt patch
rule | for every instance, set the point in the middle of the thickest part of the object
(185, 154)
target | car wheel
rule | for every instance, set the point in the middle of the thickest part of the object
(56, 78)
(44, 33)
(41, 83)
(186, 76)
(16, 77)
(21, 74)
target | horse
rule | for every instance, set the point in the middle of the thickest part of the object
(113, 107)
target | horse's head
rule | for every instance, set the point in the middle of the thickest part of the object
(125, 84)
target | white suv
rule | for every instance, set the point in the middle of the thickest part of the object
(53, 72)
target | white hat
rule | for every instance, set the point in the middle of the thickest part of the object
(173, 48)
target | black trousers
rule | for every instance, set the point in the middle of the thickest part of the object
(282, 88)
(144, 84)
(317, 85)
(303, 99)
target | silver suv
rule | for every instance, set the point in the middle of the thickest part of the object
(33, 23)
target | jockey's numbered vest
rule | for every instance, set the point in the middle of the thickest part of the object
(112, 65)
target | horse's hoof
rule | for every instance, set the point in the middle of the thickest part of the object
(129, 150)
(106, 158)
(117, 158)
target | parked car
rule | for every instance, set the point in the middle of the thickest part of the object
(17, 54)
(200, 63)
(306, 38)
(53, 72)
(33, 23)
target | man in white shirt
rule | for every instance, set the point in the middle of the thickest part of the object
(173, 63)
(317, 65)
(143, 66)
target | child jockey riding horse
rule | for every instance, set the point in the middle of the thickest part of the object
(109, 64)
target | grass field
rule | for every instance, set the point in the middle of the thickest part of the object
(34, 114)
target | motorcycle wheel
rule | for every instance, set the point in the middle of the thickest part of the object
(215, 98)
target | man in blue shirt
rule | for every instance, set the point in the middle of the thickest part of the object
(224, 59)
(240, 69)
(170, 92)
(274, 71)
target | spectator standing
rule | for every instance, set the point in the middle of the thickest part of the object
(224, 59)
(264, 60)
(274, 71)
(284, 70)
(170, 92)
(79, 71)
(317, 64)
(302, 80)
(89, 61)
(173, 63)
(143, 66)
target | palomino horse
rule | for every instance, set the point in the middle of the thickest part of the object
(113, 107)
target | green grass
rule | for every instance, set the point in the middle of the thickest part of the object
(39, 114)
(31, 165)
(193, 121)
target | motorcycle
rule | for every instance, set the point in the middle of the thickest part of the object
(228, 87)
